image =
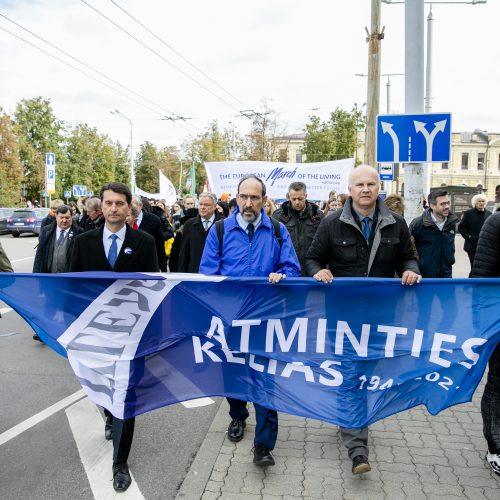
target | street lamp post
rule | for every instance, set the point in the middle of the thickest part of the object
(180, 172)
(132, 169)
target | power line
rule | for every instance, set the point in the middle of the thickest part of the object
(89, 67)
(187, 75)
(179, 54)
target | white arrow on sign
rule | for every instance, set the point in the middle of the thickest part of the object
(429, 138)
(387, 129)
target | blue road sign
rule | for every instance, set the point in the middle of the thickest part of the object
(51, 174)
(67, 194)
(414, 138)
(50, 159)
(79, 190)
(90, 193)
(386, 171)
(45, 194)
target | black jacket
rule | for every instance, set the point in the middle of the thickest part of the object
(151, 224)
(45, 248)
(339, 244)
(487, 258)
(470, 227)
(137, 254)
(192, 244)
(436, 248)
(301, 226)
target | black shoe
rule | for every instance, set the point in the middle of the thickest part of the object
(236, 430)
(360, 465)
(262, 456)
(121, 477)
(36, 337)
(108, 428)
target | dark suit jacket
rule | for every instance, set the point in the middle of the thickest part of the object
(89, 255)
(151, 224)
(192, 244)
(45, 248)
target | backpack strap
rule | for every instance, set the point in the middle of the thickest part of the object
(277, 231)
(219, 227)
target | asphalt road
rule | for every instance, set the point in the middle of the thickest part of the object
(43, 461)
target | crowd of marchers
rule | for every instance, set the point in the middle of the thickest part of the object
(356, 234)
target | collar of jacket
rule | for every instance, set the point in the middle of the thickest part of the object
(384, 218)
(232, 223)
(427, 220)
(310, 211)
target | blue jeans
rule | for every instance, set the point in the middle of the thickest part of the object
(266, 429)
(490, 404)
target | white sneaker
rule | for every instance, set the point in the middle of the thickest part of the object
(494, 462)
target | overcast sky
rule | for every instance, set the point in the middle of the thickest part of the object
(301, 56)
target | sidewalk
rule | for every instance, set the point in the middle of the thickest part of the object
(413, 455)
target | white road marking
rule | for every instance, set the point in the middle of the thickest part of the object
(195, 403)
(5, 310)
(35, 419)
(20, 260)
(96, 453)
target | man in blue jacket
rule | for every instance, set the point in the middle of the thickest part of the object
(249, 246)
(434, 236)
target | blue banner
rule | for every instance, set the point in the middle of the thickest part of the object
(349, 353)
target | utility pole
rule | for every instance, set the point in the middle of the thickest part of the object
(373, 97)
(414, 99)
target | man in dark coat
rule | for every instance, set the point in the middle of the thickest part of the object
(194, 233)
(53, 253)
(116, 247)
(301, 218)
(471, 224)
(434, 236)
(487, 265)
(151, 224)
(364, 239)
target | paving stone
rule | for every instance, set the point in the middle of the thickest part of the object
(426, 473)
(401, 455)
(233, 482)
(239, 496)
(297, 445)
(253, 483)
(426, 452)
(218, 475)
(313, 487)
(413, 491)
(222, 463)
(393, 490)
(473, 458)
(296, 434)
(396, 467)
(208, 495)
(445, 475)
(214, 486)
(476, 493)
(331, 451)
(399, 477)
(491, 493)
(383, 453)
(313, 450)
(485, 481)
(413, 440)
(445, 490)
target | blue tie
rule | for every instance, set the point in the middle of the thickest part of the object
(113, 251)
(366, 228)
(251, 231)
(60, 239)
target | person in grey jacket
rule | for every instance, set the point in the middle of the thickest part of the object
(365, 239)
(5, 265)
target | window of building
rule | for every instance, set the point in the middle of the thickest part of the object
(444, 165)
(480, 161)
(499, 162)
(465, 161)
(298, 157)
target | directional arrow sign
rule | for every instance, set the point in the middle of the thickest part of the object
(414, 138)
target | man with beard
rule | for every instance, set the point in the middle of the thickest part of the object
(250, 247)
(434, 236)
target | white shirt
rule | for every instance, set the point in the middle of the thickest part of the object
(210, 222)
(244, 224)
(106, 240)
(139, 219)
(440, 225)
(58, 232)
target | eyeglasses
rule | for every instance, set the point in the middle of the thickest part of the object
(252, 197)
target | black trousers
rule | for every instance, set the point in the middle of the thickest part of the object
(123, 434)
(490, 404)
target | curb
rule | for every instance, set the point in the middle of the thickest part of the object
(199, 473)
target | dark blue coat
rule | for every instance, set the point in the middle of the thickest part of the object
(436, 249)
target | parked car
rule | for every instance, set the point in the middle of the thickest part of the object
(5, 213)
(26, 220)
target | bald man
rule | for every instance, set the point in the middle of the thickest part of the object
(365, 239)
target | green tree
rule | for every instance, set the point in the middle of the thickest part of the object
(148, 161)
(122, 164)
(334, 139)
(90, 159)
(39, 132)
(11, 167)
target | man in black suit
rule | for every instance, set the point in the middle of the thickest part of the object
(151, 224)
(116, 247)
(195, 233)
(53, 253)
